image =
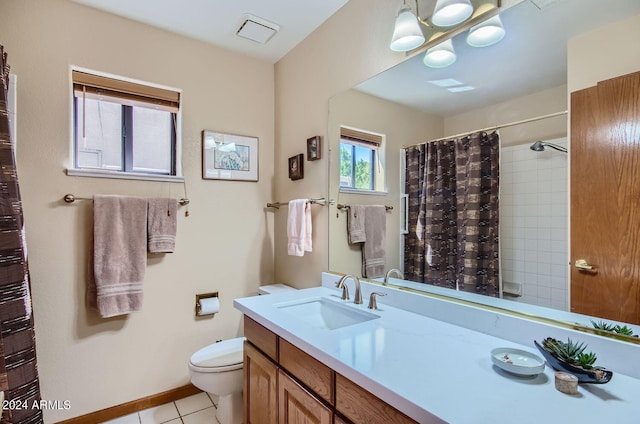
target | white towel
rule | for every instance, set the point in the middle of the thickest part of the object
(299, 227)
(119, 254)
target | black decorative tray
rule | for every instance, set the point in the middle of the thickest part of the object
(595, 376)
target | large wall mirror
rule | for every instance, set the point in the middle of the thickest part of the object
(521, 78)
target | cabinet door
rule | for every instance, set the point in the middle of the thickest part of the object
(260, 387)
(298, 406)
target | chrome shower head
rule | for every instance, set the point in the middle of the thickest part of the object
(539, 146)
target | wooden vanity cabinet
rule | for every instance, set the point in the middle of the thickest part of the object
(318, 377)
(298, 405)
(285, 385)
(262, 338)
(360, 406)
(260, 387)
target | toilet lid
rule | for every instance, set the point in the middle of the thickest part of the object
(221, 356)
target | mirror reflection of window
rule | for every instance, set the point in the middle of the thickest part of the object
(361, 167)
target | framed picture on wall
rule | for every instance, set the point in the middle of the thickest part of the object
(314, 148)
(296, 167)
(229, 156)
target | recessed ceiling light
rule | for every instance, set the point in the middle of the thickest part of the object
(448, 82)
(461, 88)
(257, 29)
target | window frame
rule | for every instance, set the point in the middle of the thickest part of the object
(128, 100)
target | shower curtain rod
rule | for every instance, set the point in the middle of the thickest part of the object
(495, 127)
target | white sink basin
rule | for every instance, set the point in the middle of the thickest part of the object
(322, 313)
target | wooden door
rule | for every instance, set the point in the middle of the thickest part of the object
(605, 199)
(260, 387)
(298, 406)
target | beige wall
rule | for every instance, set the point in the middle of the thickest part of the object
(349, 48)
(603, 53)
(225, 244)
(401, 126)
(525, 107)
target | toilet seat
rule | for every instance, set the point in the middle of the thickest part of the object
(226, 355)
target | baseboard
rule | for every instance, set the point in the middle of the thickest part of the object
(134, 406)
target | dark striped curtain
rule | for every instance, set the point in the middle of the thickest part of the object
(452, 188)
(18, 369)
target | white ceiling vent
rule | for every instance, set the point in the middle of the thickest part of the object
(257, 29)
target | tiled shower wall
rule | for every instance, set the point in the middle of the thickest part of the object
(534, 223)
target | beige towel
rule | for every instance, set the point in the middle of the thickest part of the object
(355, 224)
(162, 223)
(299, 227)
(119, 254)
(374, 248)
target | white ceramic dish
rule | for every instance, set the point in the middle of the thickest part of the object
(517, 361)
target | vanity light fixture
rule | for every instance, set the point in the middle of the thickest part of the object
(440, 56)
(407, 34)
(486, 33)
(451, 12)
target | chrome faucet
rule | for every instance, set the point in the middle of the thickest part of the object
(372, 300)
(356, 280)
(388, 274)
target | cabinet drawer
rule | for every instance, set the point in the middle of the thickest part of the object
(261, 337)
(360, 406)
(311, 372)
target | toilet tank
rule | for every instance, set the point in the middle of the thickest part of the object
(274, 288)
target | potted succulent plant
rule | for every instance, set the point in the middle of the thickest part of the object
(618, 329)
(572, 357)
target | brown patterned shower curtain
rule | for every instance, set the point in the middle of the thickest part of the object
(452, 188)
(18, 369)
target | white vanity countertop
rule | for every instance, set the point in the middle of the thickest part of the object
(428, 368)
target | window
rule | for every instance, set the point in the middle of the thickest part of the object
(361, 166)
(124, 128)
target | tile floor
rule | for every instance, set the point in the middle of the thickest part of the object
(196, 409)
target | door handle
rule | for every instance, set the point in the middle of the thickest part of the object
(582, 265)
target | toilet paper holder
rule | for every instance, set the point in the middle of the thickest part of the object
(200, 297)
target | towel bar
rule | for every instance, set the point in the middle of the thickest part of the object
(322, 201)
(341, 206)
(70, 198)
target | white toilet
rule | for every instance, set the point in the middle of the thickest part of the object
(217, 369)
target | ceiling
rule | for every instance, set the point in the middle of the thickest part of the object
(216, 21)
(532, 57)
